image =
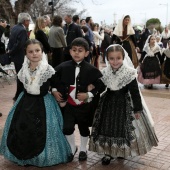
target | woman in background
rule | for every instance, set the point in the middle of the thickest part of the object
(57, 40)
(124, 35)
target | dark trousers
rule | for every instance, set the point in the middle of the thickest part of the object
(57, 56)
(76, 115)
(67, 55)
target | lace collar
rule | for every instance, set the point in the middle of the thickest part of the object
(119, 79)
(33, 81)
(166, 35)
(151, 51)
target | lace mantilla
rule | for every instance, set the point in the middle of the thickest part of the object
(166, 35)
(116, 81)
(151, 51)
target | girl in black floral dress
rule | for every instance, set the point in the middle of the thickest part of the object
(122, 124)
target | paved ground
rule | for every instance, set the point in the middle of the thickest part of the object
(158, 101)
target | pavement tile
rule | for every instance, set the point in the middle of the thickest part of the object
(157, 159)
(156, 164)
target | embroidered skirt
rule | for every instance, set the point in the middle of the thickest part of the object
(54, 150)
(149, 72)
(115, 130)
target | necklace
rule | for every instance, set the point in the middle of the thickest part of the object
(32, 79)
(32, 75)
(32, 69)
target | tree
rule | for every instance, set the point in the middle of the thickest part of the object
(60, 7)
(154, 23)
(10, 13)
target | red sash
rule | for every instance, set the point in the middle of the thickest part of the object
(71, 99)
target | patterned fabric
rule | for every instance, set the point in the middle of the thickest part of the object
(119, 132)
(42, 73)
(57, 149)
(115, 130)
(150, 67)
(120, 77)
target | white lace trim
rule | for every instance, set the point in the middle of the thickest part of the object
(167, 52)
(42, 74)
(165, 35)
(151, 51)
(119, 28)
(116, 81)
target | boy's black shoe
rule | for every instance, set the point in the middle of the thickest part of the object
(0, 114)
(71, 157)
(82, 156)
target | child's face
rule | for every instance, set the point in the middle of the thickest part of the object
(34, 52)
(157, 39)
(115, 59)
(152, 41)
(78, 53)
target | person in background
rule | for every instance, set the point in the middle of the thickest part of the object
(125, 36)
(165, 78)
(96, 48)
(41, 36)
(57, 40)
(158, 40)
(72, 31)
(144, 37)
(89, 23)
(106, 42)
(76, 19)
(3, 25)
(86, 37)
(150, 63)
(165, 36)
(47, 23)
(16, 46)
(82, 22)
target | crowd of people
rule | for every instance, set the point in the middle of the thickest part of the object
(59, 84)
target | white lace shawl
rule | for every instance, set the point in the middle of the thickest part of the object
(116, 81)
(42, 74)
(165, 35)
(119, 28)
(167, 52)
(151, 51)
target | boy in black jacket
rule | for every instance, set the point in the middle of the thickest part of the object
(74, 79)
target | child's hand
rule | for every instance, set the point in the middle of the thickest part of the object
(90, 87)
(58, 96)
(82, 96)
(137, 115)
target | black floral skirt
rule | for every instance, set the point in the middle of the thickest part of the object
(113, 119)
(116, 132)
(151, 68)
